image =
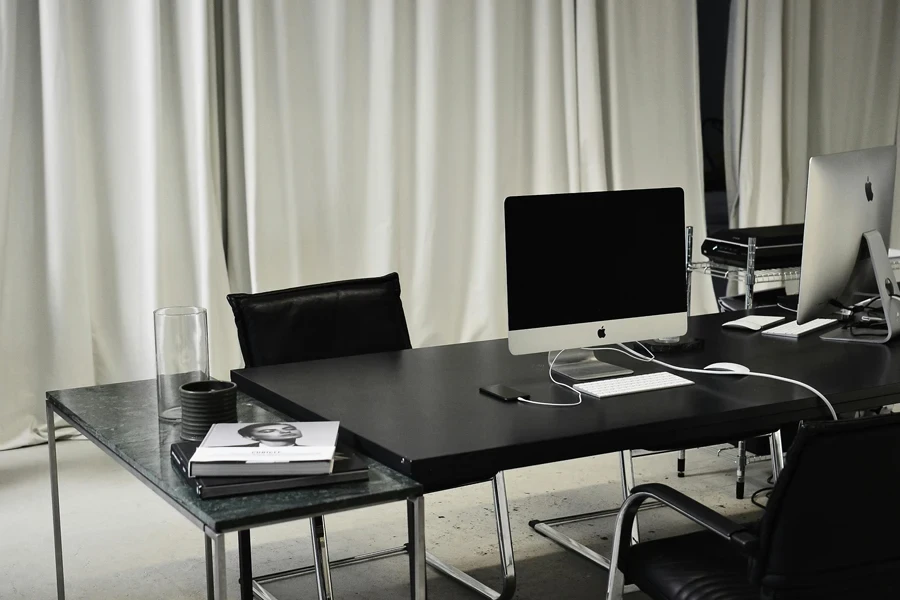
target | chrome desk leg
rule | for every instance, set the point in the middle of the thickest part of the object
(626, 466)
(207, 547)
(504, 534)
(217, 541)
(777, 451)
(741, 469)
(54, 502)
(501, 513)
(547, 527)
(245, 564)
(682, 457)
(418, 582)
(320, 556)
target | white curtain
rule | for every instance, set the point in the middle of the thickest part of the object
(804, 78)
(360, 137)
(367, 137)
(110, 204)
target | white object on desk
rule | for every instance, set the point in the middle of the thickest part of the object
(752, 322)
(793, 331)
(632, 384)
(727, 366)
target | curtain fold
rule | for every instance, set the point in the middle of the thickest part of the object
(805, 78)
(114, 206)
(385, 136)
(351, 139)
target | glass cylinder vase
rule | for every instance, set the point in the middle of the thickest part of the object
(182, 355)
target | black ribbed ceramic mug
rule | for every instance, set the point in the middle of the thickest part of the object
(204, 403)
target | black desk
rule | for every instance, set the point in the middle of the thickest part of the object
(420, 412)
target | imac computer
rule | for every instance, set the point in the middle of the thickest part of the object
(849, 202)
(592, 268)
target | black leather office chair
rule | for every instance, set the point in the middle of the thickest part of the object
(327, 320)
(823, 535)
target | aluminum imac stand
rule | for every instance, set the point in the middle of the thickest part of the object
(887, 288)
(582, 365)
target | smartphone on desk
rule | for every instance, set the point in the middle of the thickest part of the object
(503, 393)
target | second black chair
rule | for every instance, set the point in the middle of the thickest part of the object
(328, 320)
(829, 531)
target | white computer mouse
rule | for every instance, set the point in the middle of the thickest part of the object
(727, 366)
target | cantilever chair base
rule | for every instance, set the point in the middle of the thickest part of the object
(320, 552)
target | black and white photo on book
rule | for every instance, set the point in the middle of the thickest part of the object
(269, 442)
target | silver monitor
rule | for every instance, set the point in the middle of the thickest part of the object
(849, 202)
(595, 268)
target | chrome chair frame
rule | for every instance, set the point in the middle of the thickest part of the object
(627, 515)
(626, 469)
(323, 565)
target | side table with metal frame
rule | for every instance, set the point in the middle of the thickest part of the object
(121, 420)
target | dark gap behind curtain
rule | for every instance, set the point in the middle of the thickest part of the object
(218, 36)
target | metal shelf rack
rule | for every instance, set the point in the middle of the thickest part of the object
(748, 274)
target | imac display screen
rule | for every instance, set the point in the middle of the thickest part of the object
(595, 256)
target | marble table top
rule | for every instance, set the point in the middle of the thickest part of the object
(121, 419)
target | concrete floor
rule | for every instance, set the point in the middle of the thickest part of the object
(122, 542)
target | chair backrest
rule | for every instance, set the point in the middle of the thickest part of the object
(832, 524)
(327, 320)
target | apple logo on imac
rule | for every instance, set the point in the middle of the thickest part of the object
(869, 194)
(601, 333)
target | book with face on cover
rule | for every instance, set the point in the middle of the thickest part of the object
(266, 449)
(347, 467)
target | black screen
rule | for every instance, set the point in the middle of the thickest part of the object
(595, 256)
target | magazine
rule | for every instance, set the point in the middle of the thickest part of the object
(234, 448)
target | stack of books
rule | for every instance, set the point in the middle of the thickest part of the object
(247, 458)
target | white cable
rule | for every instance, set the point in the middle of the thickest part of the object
(652, 359)
(553, 362)
(782, 307)
(521, 399)
(636, 355)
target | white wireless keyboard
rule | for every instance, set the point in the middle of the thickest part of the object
(793, 331)
(632, 384)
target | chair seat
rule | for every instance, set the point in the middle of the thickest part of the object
(696, 566)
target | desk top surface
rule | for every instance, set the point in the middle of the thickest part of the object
(122, 419)
(419, 411)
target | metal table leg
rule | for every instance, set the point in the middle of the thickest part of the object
(245, 564)
(217, 543)
(207, 550)
(416, 550)
(54, 501)
(504, 535)
(415, 513)
(546, 527)
(741, 470)
(320, 557)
